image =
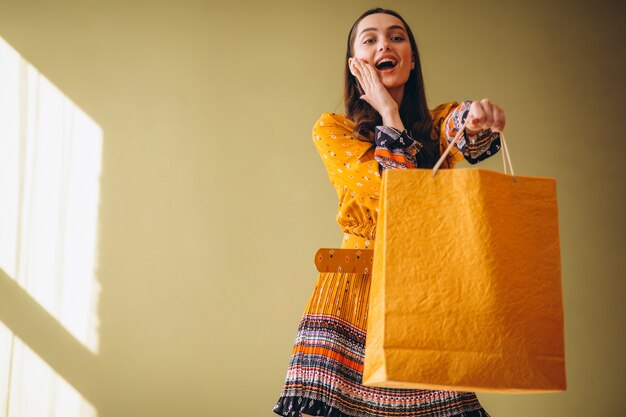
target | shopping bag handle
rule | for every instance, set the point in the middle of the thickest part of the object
(360, 261)
(456, 138)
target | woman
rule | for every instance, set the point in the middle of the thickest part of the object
(388, 125)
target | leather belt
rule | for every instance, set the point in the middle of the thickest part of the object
(354, 261)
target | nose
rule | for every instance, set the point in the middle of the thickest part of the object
(384, 44)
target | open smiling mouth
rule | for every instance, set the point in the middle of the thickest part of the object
(386, 64)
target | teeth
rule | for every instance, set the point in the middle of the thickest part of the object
(393, 61)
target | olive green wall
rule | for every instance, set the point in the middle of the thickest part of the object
(214, 199)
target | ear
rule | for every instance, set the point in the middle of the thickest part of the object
(412, 61)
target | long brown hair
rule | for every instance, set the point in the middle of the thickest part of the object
(413, 110)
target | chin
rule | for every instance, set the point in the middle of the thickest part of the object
(394, 84)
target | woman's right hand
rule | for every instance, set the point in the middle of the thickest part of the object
(376, 95)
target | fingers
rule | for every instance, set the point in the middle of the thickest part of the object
(499, 120)
(373, 91)
(372, 76)
(356, 70)
(485, 114)
(476, 116)
(367, 70)
(364, 73)
(488, 110)
(481, 117)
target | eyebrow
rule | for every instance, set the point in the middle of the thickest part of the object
(388, 29)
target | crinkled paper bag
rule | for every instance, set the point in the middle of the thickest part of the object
(466, 284)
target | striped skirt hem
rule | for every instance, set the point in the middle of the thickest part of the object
(292, 406)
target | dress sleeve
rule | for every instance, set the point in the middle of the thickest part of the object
(395, 149)
(344, 155)
(476, 147)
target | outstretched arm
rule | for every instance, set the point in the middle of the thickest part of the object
(481, 138)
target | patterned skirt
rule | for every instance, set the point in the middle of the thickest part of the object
(324, 377)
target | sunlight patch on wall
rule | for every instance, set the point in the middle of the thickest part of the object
(50, 162)
(34, 389)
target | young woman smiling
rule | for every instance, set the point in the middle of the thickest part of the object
(387, 125)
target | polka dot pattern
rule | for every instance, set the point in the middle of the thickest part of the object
(354, 172)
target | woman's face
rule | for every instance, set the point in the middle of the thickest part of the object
(382, 35)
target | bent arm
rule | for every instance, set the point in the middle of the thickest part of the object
(344, 155)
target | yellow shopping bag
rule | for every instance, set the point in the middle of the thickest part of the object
(466, 283)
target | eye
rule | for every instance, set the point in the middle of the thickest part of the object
(368, 39)
(399, 38)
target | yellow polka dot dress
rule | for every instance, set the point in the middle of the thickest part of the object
(324, 377)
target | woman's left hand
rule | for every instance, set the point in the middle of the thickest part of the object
(485, 114)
